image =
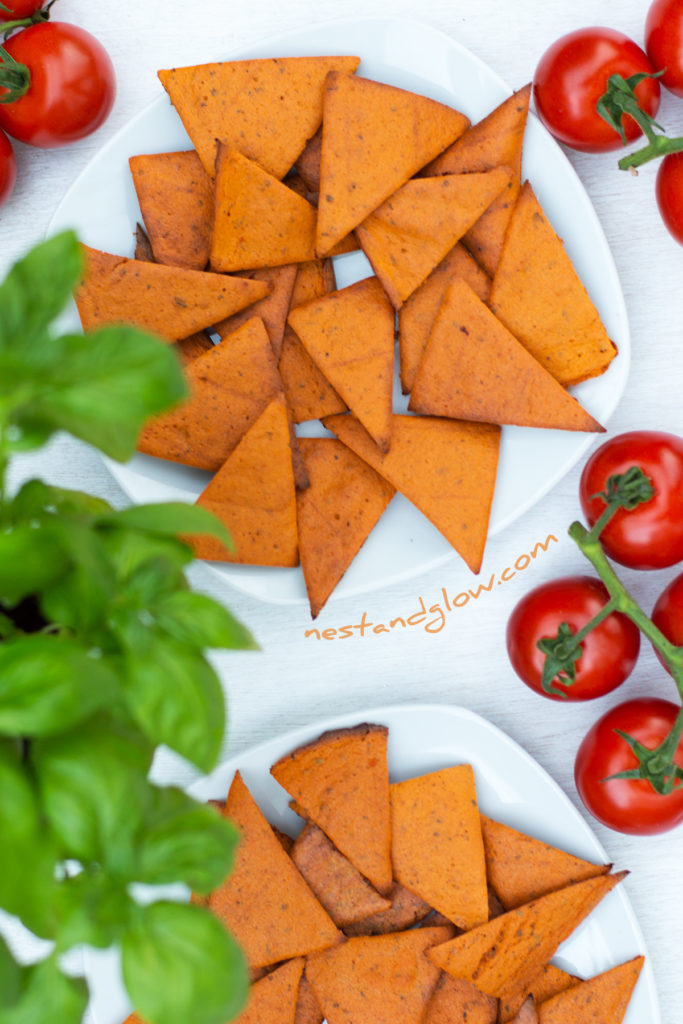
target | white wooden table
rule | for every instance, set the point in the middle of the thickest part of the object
(295, 680)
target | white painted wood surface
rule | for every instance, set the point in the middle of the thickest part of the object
(294, 680)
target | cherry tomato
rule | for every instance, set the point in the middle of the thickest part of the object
(628, 805)
(649, 536)
(572, 76)
(667, 613)
(8, 168)
(72, 85)
(664, 41)
(609, 651)
(669, 193)
(20, 9)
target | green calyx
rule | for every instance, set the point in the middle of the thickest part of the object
(14, 77)
(620, 99)
(655, 766)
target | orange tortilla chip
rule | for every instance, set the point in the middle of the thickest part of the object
(335, 514)
(273, 998)
(265, 902)
(455, 1000)
(537, 294)
(349, 334)
(171, 301)
(599, 1000)
(521, 869)
(436, 843)
(267, 109)
(406, 910)
(253, 493)
(415, 228)
(230, 386)
(341, 782)
(502, 957)
(192, 347)
(474, 369)
(549, 981)
(272, 309)
(143, 246)
(496, 141)
(307, 1008)
(259, 222)
(176, 201)
(447, 468)
(340, 887)
(308, 162)
(378, 979)
(416, 317)
(527, 1012)
(375, 137)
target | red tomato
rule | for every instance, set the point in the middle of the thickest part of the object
(20, 9)
(628, 805)
(609, 651)
(72, 85)
(572, 76)
(649, 536)
(8, 168)
(664, 41)
(669, 193)
(667, 613)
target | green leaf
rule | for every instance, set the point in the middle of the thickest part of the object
(128, 550)
(80, 599)
(48, 995)
(36, 498)
(31, 558)
(180, 964)
(171, 519)
(11, 981)
(48, 684)
(176, 698)
(107, 384)
(185, 841)
(93, 783)
(198, 620)
(93, 911)
(36, 290)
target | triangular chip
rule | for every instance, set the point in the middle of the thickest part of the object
(447, 468)
(335, 513)
(258, 221)
(230, 386)
(406, 910)
(171, 301)
(341, 782)
(527, 1013)
(549, 981)
(344, 893)
(253, 493)
(415, 228)
(416, 317)
(349, 334)
(265, 902)
(521, 868)
(455, 1000)
(267, 109)
(495, 141)
(272, 309)
(307, 1008)
(143, 246)
(537, 294)
(599, 1000)
(273, 999)
(376, 979)
(176, 201)
(308, 162)
(375, 137)
(503, 956)
(436, 843)
(474, 369)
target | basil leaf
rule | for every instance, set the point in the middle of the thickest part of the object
(172, 518)
(95, 791)
(36, 498)
(31, 558)
(48, 684)
(93, 911)
(36, 290)
(180, 963)
(176, 698)
(128, 550)
(185, 841)
(81, 597)
(46, 986)
(11, 981)
(198, 620)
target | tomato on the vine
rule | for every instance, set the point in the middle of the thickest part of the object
(628, 805)
(570, 78)
(649, 536)
(72, 85)
(8, 168)
(609, 650)
(669, 194)
(664, 41)
(667, 614)
(20, 9)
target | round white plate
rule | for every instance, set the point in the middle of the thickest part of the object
(511, 787)
(102, 207)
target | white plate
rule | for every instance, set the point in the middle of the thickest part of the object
(511, 787)
(102, 206)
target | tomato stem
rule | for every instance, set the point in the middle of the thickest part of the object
(14, 77)
(37, 18)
